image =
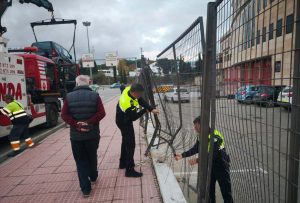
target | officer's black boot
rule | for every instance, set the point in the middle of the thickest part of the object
(130, 172)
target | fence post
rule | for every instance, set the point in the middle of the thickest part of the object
(294, 142)
(209, 65)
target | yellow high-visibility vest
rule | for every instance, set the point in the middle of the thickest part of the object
(126, 102)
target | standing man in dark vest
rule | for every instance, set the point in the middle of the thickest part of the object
(127, 112)
(83, 110)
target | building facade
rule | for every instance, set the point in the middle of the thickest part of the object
(255, 43)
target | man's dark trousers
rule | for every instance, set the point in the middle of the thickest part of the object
(128, 145)
(221, 174)
(85, 155)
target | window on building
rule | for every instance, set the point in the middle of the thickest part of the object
(271, 31)
(279, 28)
(258, 6)
(277, 66)
(289, 24)
(258, 37)
(265, 3)
(264, 33)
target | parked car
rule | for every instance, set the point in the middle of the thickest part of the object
(95, 87)
(267, 95)
(172, 95)
(54, 51)
(285, 97)
(245, 93)
(115, 85)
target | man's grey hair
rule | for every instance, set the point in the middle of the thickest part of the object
(82, 80)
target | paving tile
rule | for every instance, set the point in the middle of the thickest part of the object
(124, 181)
(106, 182)
(150, 191)
(152, 200)
(108, 173)
(24, 190)
(15, 199)
(5, 189)
(43, 175)
(106, 166)
(22, 172)
(66, 169)
(122, 193)
(44, 170)
(6, 181)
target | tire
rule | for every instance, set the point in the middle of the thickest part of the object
(51, 115)
(173, 100)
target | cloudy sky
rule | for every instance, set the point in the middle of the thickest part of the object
(122, 25)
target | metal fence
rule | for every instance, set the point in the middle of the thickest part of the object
(256, 49)
(243, 79)
(176, 90)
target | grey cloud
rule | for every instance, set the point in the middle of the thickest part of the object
(123, 25)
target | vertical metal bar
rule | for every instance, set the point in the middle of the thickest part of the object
(212, 87)
(178, 89)
(210, 62)
(293, 176)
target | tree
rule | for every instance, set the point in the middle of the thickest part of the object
(100, 79)
(167, 66)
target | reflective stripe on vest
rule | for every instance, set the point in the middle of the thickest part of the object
(126, 102)
(14, 110)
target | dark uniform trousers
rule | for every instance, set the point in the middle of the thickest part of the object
(220, 173)
(18, 131)
(128, 145)
(85, 155)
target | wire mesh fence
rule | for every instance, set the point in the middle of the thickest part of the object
(255, 65)
(176, 92)
(243, 79)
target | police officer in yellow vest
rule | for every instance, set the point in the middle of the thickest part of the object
(220, 165)
(20, 120)
(127, 112)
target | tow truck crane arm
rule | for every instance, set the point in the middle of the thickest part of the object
(4, 4)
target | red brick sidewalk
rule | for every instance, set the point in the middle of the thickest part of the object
(47, 173)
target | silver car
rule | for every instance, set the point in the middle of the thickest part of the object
(172, 95)
(285, 97)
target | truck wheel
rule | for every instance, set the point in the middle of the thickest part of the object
(51, 115)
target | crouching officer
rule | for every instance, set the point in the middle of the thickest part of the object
(20, 121)
(220, 164)
(127, 112)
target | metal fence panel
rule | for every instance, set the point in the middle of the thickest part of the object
(255, 62)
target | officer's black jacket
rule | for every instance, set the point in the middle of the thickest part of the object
(131, 114)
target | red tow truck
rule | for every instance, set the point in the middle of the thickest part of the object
(33, 80)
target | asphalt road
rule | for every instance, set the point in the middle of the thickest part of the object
(106, 95)
(256, 139)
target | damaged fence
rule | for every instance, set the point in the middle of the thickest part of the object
(243, 79)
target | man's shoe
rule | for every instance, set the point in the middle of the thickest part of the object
(86, 194)
(93, 182)
(131, 173)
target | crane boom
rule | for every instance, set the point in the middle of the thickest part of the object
(4, 4)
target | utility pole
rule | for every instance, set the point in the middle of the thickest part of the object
(87, 24)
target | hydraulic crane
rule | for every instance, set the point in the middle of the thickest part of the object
(4, 4)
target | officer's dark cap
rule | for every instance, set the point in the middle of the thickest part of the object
(137, 88)
(197, 120)
(8, 97)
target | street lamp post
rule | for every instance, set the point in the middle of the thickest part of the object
(87, 24)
